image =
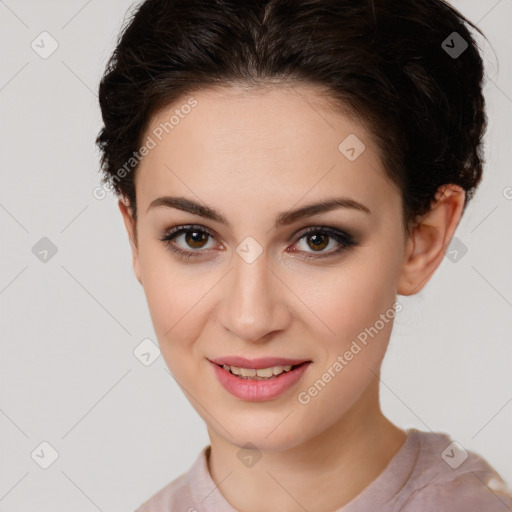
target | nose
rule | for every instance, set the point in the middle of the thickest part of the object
(254, 300)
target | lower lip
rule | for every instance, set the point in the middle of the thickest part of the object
(259, 390)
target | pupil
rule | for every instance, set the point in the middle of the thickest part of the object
(192, 238)
(320, 241)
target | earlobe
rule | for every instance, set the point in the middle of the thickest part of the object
(429, 239)
(131, 230)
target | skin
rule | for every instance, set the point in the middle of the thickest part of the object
(252, 155)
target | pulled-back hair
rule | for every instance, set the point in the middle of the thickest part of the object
(387, 61)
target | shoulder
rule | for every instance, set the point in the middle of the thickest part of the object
(178, 495)
(450, 476)
(467, 492)
(171, 497)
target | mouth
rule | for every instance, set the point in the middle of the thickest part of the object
(269, 373)
(258, 380)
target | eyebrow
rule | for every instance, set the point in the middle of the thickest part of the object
(283, 219)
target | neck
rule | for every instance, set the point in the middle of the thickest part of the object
(322, 474)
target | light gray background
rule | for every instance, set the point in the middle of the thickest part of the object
(69, 326)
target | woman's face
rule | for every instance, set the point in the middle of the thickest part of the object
(250, 282)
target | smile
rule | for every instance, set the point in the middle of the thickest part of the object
(259, 384)
(257, 374)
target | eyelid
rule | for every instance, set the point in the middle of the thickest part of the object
(341, 235)
(172, 233)
(188, 227)
(324, 229)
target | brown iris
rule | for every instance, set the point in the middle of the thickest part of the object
(196, 237)
(319, 241)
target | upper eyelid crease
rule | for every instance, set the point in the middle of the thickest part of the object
(342, 237)
(283, 218)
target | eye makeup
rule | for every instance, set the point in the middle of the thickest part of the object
(193, 233)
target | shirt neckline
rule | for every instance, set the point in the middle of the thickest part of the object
(387, 484)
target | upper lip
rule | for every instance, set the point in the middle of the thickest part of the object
(262, 362)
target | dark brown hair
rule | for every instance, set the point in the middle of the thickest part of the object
(393, 63)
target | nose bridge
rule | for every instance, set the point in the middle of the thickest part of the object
(254, 304)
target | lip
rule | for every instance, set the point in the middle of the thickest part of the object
(259, 390)
(256, 364)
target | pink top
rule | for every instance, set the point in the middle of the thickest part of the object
(429, 471)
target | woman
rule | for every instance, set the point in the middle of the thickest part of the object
(285, 169)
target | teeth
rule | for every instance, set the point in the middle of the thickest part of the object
(260, 373)
(276, 370)
(265, 372)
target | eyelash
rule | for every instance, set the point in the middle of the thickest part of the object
(345, 239)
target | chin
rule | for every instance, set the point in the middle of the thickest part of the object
(271, 436)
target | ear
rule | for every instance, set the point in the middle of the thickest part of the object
(131, 228)
(429, 239)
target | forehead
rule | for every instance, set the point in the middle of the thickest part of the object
(269, 146)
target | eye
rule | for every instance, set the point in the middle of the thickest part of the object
(319, 238)
(193, 237)
(316, 238)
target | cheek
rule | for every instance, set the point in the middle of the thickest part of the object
(358, 308)
(175, 296)
(350, 297)
(356, 303)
